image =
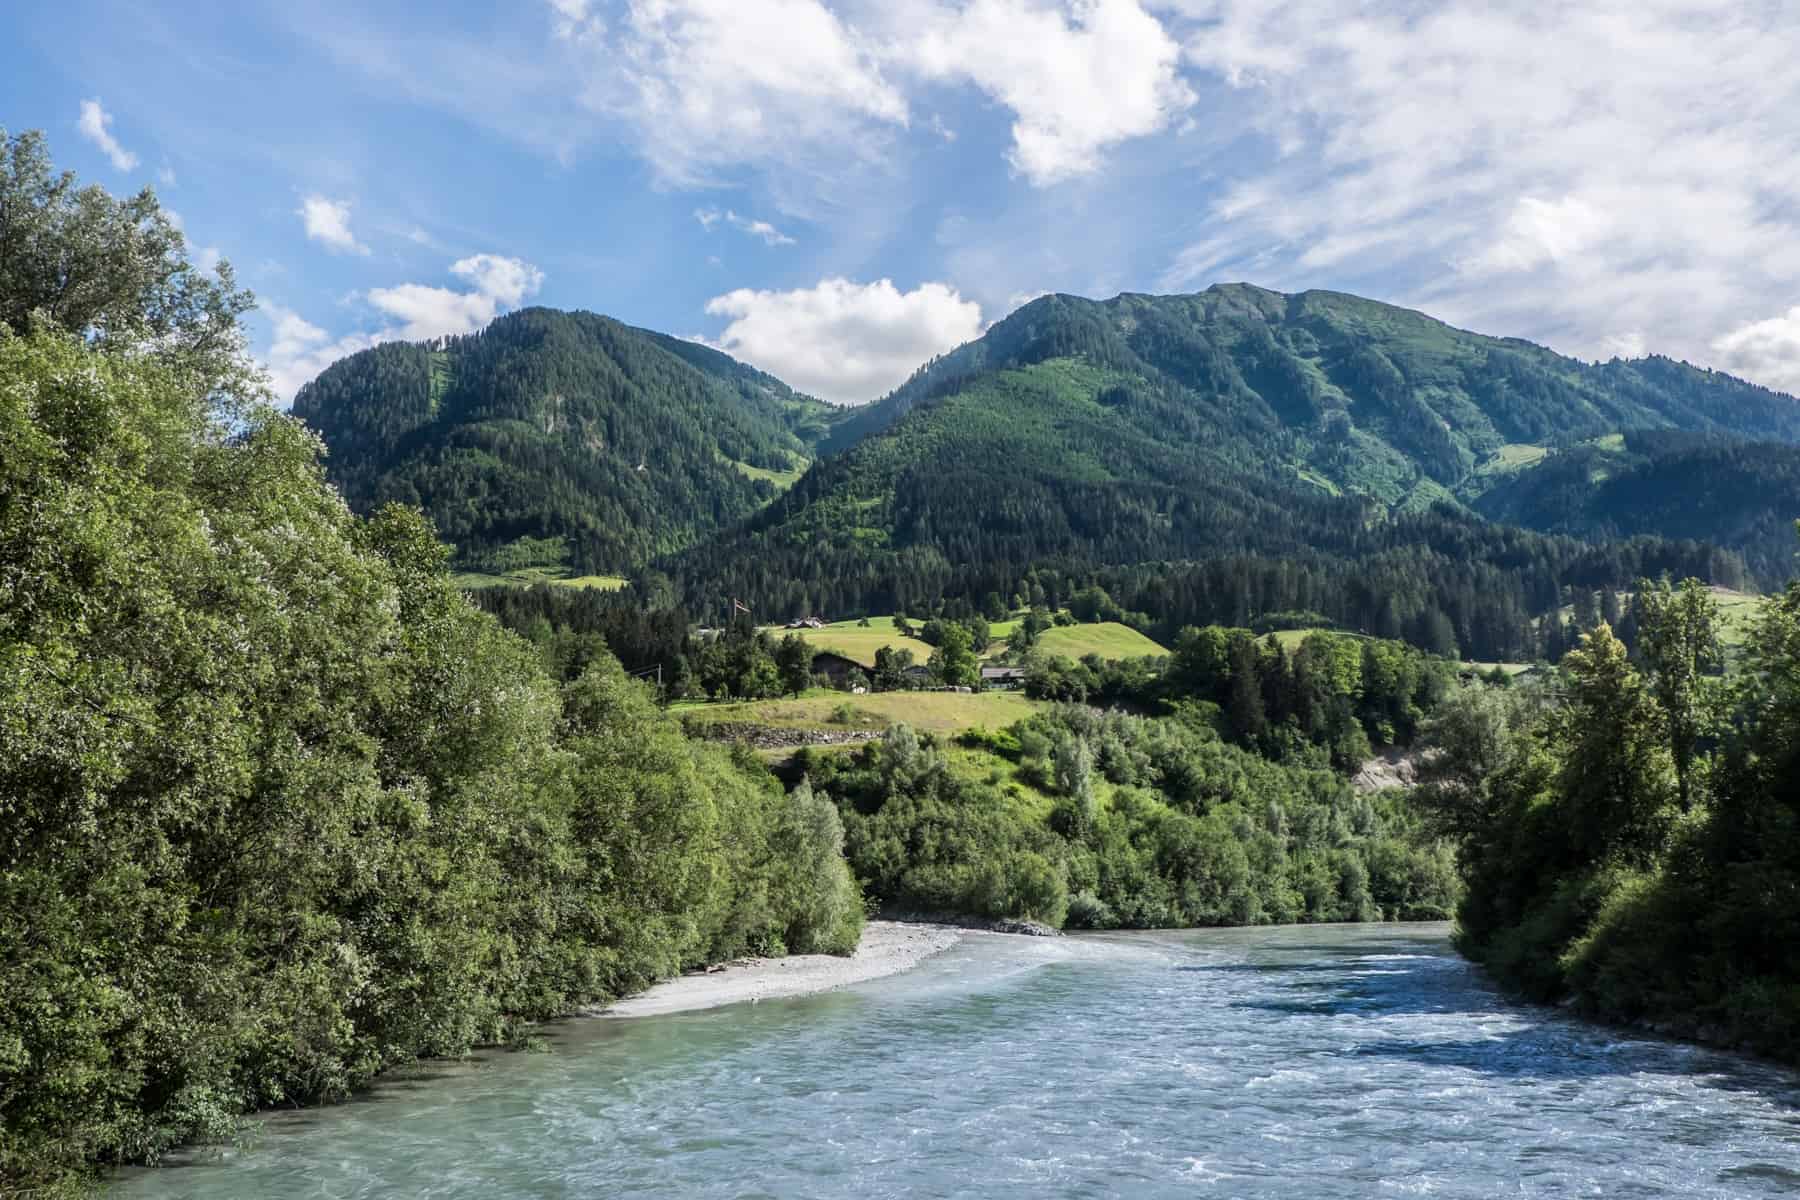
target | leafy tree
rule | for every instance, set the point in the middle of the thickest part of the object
(1678, 637)
(793, 659)
(282, 808)
(113, 271)
(953, 663)
(891, 667)
(1616, 768)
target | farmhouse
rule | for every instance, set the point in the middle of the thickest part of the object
(835, 667)
(1004, 678)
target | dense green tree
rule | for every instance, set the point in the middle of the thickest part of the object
(1614, 785)
(793, 659)
(891, 667)
(953, 663)
(1678, 637)
(114, 271)
(279, 808)
(1587, 880)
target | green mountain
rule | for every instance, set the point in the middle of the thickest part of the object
(1353, 394)
(561, 436)
(1315, 429)
(1743, 495)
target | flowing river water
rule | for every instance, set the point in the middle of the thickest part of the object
(1321, 1061)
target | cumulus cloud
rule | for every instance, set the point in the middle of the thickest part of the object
(328, 223)
(710, 218)
(843, 341)
(1557, 172)
(1767, 351)
(714, 83)
(426, 312)
(1078, 77)
(96, 126)
(299, 350)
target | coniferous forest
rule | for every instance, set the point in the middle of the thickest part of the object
(282, 807)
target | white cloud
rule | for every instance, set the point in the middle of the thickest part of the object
(165, 175)
(425, 312)
(1543, 232)
(299, 350)
(96, 126)
(1019, 300)
(1630, 344)
(328, 222)
(1559, 172)
(842, 341)
(1767, 351)
(715, 83)
(575, 20)
(1079, 77)
(710, 218)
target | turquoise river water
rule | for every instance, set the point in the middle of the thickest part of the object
(1356, 1061)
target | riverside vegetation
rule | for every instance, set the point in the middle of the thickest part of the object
(283, 806)
(280, 807)
(1631, 840)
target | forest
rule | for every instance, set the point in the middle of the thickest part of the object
(281, 808)
(618, 443)
(1630, 833)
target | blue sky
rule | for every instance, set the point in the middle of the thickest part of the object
(837, 189)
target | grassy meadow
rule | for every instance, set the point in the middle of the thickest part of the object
(1109, 640)
(531, 576)
(938, 712)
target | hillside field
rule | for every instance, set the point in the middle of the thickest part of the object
(529, 576)
(938, 712)
(857, 643)
(1109, 639)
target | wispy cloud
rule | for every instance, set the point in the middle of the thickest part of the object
(711, 218)
(327, 222)
(1766, 350)
(1609, 174)
(575, 20)
(708, 85)
(96, 126)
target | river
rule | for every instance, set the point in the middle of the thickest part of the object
(1346, 1061)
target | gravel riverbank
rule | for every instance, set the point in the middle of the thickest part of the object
(887, 948)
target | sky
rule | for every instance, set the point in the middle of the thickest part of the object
(836, 190)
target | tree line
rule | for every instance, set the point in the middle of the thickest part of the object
(1630, 831)
(281, 808)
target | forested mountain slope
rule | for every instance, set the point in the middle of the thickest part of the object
(1352, 393)
(1318, 430)
(1740, 494)
(548, 424)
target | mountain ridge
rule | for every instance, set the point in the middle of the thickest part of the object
(1234, 421)
(617, 443)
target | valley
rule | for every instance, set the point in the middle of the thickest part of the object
(493, 685)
